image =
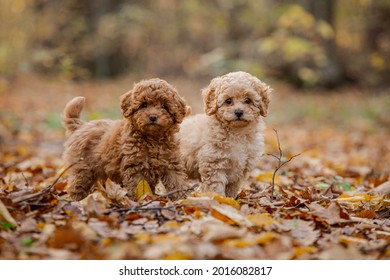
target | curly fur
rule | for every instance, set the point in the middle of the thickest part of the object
(222, 146)
(139, 146)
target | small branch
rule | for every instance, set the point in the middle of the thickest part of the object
(280, 163)
(142, 207)
(168, 194)
(47, 189)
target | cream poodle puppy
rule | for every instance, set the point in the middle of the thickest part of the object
(141, 146)
(222, 146)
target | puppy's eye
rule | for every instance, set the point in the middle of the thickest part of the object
(165, 107)
(144, 105)
(229, 101)
(248, 101)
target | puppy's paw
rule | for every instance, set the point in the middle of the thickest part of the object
(78, 194)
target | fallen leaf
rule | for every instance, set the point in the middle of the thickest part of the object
(383, 189)
(228, 201)
(216, 214)
(302, 231)
(299, 251)
(116, 194)
(5, 215)
(267, 178)
(265, 237)
(261, 219)
(142, 189)
(334, 214)
(237, 243)
(229, 215)
(348, 240)
(218, 232)
(360, 197)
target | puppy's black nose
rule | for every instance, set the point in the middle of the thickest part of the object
(239, 113)
(153, 118)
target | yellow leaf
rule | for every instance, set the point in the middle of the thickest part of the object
(261, 219)
(106, 241)
(143, 237)
(267, 178)
(360, 197)
(265, 237)
(165, 238)
(172, 224)
(348, 240)
(198, 214)
(228, 201)
(142, 189)
(299, 251)
(237, 243)
(6, 215)
(177, 255)
(40, 225)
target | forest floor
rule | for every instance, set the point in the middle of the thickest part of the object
(331, 201)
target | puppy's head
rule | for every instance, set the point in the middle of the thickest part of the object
(153, 106)
(236, 99)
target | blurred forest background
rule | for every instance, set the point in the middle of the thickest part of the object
(328, 62)
(306, 42)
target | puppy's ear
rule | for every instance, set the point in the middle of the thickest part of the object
(125, 101)
(181, 108)
(210, 97)
(265, 93)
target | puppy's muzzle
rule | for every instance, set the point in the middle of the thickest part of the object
(239, 113)
(152, 119)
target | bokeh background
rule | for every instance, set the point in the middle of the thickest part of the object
(328, 62)
(307, 43)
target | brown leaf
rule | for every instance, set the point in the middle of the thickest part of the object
(334, 214)
(66, 238)
(302, 231)
(219, 232)
(383, 189)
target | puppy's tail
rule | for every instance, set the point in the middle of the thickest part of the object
(71, 116)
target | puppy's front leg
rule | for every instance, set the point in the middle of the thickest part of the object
(175, 179)
(131, 177)
(213, 175)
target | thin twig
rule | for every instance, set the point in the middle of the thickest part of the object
(142, 207)
(47, 189)
(280, 163)
(168, 194)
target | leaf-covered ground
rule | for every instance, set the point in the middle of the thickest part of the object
(332, 201)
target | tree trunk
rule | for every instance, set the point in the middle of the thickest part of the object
(332, 73)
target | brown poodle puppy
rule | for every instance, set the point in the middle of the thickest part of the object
(139, 147)
(222, 146)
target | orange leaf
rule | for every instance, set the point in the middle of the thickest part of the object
(261, 219)
(237, 243)
(229, 215)
(299, 251)
(221, 217)
(228, 201)
(267, 178)
(265, 237)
